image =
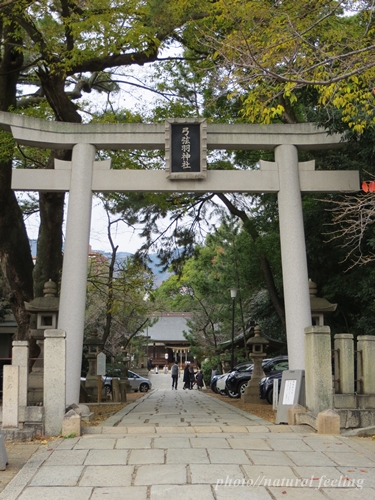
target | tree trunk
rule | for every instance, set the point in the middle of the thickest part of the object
(15, 254)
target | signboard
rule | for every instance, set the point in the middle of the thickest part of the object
(186, 148)
(289, 392)
(292, 391)
(101, 360)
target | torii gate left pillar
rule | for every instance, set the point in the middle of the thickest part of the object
(82, 175)
(74, 272)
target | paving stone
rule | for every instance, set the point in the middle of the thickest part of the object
(206, 429)
(134, 442)
(319, 444)
(146, 457)
(211, 474)
(114, 475)
(228, 456)
(235, 429)
(95, 443)
(248, 443)
(185, 492)
(261, 475)
(67, 457)
(296, 493)
(365, 475)
(187, 456)
(241, 493)
(57, 475)
(260, 457)
(174, 430)
(118, 493)
(278, 429)
(314, 473)
(258, 429)
(208, 442)
(107, 457)
(172, 442)
(350, 459)
(310, 458)
(161, 474)
(68, 444)
(59, 493)
(289, 445)
(349, 493)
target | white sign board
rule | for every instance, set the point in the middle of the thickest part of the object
(101, 360)
(289, 392)
(292, 391)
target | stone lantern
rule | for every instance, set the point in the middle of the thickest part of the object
(125, 386)
(94, 347)
(44, 315)
(319, 306)
(257, 345)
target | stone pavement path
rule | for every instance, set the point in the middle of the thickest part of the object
(185, 445)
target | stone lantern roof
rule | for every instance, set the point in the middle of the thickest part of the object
(257, 343)
(48, 303)
(318, 304)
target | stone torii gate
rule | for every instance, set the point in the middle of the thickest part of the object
(286, 176)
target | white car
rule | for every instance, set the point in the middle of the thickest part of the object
(220, 384)
(137, 383)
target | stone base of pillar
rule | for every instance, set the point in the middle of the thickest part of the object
(293, 411)
(116, 395)
(124, 389)
(251, 394)
(328, 422)
(71, 424)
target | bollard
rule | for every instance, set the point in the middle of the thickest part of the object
(275, 395)
(3, 454)
(116, 390)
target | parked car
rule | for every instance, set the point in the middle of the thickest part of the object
(137, 383)
(218, 381)
(266, 386)
(236, 382)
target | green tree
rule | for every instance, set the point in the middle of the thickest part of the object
(272, 52)
(52, 53)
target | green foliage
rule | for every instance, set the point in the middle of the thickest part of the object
(7, 146)
(122, 297)
(270, 51)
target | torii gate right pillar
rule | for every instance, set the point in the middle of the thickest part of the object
(293, 254)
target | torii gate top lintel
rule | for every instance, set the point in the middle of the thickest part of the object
(61, 135)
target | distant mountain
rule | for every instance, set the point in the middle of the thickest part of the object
(160, 275)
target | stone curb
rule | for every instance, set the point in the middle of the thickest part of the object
(362, 432)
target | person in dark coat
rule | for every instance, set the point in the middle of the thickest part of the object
(191, 377)
(199, 379)
(186, 378)
(174, 374)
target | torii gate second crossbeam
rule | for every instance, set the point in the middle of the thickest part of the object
(83, 175)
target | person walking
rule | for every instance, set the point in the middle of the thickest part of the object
(191, 377)
(174, 374)
(186, 378)
(199, 379)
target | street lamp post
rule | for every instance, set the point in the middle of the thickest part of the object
(233, 293)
